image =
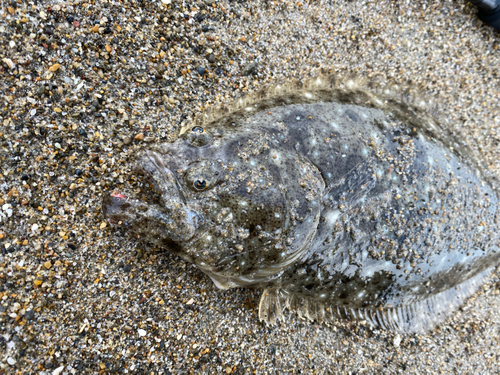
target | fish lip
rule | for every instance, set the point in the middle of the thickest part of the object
(109, 203)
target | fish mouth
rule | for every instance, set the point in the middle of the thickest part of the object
(113, 205)
(155, 223)
(162, 214)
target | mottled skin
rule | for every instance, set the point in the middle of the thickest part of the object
(325, 198)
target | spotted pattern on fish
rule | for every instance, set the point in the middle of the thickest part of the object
(338, 201)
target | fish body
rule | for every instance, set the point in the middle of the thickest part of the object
(337, 201)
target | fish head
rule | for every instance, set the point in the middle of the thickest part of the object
(238, 205)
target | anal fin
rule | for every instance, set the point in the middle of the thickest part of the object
(417, 317)
(272, 304)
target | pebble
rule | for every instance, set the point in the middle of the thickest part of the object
(127, 268)
(211, 58)
(47, 264)
(141, 332)
(29, 315)
(127, 140)
(54, 67)
(9, 63)
(139, 137)
(397, 341)
(250, 69)
(160, 68)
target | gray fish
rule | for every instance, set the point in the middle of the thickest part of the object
(338, 200)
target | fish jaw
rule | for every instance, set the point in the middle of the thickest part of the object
(171, 223)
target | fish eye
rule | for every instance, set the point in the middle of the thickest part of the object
(202, 176)
(198, 136)
(200, 185)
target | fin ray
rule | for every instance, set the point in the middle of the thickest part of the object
(417, 317)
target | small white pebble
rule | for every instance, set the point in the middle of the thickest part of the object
(397, 341)
(11, 361)
(9, 63)
(141, 332)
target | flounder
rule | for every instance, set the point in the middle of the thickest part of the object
(339, 200)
